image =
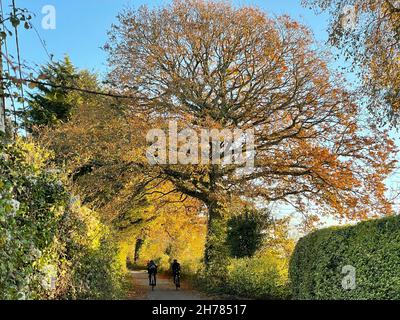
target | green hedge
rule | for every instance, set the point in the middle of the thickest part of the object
(51, 247)
(261, 277)
(371, 247)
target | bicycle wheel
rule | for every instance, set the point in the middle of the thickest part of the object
(177, 282)
(153, 281)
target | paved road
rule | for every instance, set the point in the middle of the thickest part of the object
(165, 289)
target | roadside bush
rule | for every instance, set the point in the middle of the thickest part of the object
(319, 267)
(264, 276)
(50, 245)
(96, 271)
(245, 232)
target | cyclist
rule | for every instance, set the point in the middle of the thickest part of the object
(152, 271)
(176, 270)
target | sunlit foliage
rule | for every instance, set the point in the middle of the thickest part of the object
(214, 65)
(368, 32)
(50, 245)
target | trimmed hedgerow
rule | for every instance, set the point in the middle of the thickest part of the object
(319, 265)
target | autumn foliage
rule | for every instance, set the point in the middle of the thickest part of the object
(210, 64)
(368, 33)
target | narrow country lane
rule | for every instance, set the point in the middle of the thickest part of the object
(165, 289)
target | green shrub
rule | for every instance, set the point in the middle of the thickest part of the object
(371, 247)
(95, 272)
(261, 277)
(97, 275)
(245, 232)
(264, 276)
(51, 247)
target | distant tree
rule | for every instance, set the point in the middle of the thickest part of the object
(47, 105)
(368, 31)
(246, 231)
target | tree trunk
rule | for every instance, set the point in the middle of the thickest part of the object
(216, 251)
(138, 245)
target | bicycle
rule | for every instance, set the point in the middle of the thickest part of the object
(177, 281)
(153, 281)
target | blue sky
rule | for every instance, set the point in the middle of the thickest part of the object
(82, 27)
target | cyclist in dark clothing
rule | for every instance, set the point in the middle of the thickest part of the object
(176, 269)
(152, 271)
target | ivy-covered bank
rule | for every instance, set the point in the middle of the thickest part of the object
(51, 247)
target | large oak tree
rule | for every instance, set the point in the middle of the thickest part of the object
(214, 65)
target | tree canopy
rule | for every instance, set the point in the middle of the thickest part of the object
(247, 230)
(368, 31)
(200, 66)
(213, 65)
(53, 102)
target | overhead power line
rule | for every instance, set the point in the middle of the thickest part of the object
(18, 50)
(43, 44)
(8, 68)
(2, 96)
(71, 88)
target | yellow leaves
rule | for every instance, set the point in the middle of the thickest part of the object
(94, 229)
(177, 232)
(372, 43)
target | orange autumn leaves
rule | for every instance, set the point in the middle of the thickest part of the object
(370, 40)
(215, 65)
